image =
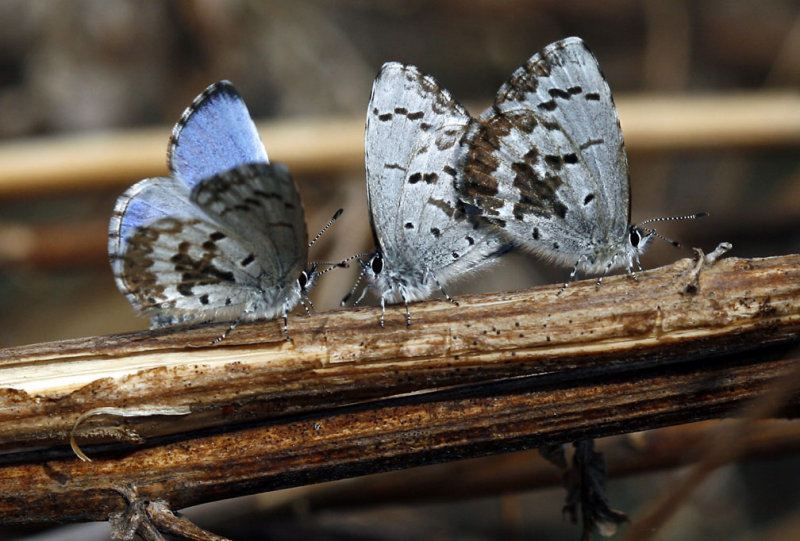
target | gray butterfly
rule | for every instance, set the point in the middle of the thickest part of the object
(547, 164)
(224, 237)
(423, 235)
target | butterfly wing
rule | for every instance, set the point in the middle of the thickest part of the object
(547, 161)
(145, 202)
(413, 147)
(214, 134)
(211, 255)
(261, 203)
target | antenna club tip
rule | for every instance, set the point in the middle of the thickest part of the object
(338, 213)
(701, 215)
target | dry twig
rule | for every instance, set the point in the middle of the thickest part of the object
(500, 372)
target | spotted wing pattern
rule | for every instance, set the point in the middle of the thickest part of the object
(223, 237)
(413, 147)
(547, 161)
(237, 253)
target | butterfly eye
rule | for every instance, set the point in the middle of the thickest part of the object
(376, 264)
(635, 237)
(302, 280)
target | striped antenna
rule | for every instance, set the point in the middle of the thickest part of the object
(358, 280)
(675, 243)
(330, 223)
(331, 266)
(671, 218)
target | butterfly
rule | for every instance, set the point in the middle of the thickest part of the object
(424, 237)
(224, 236)
(547, 167)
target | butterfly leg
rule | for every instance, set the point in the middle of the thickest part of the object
(232, 326)
(571, 277)
(408, 314)
(307, 304)
(286, 321)
(227, 331)
(446, 296)
(608, 268)
(383, 310)
(638, 265)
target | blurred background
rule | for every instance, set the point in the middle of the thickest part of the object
(89, 90)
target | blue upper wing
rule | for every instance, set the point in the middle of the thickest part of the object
(213, 135)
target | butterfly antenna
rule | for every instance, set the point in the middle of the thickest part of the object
(694, 216)
(358, 280)
(330, 223)
(331, 266)
(675, 243)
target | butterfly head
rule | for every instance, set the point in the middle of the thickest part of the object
(307, 278)
(639, 239)
(373, 273)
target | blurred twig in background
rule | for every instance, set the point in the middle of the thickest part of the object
(650, 122)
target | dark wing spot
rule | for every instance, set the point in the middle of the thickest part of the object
(524, 120)
(265, 195)
(593, 96)
(424, 126)
(209, 245)
(401, 110)
(536, 233)
(450, 171)
(552, 126)
(548, 105)
(470, 240)
(456, 255)
(571, 158)
(430, 178)
(558, 93)
(385, 117)
(247, 260)
(588, 199)
(416, 116)
(416, 177)
(555, 246)
(443, 205)
(409, 225)
(592, 142)
(196, 272)
(435, 232)
(574, 90)
(393, 166)
(554, 161)
(204, 299)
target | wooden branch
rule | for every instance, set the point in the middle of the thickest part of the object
(500, 372)
(653, 123)
(628, 454)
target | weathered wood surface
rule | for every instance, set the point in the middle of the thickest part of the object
(500, 372)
